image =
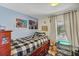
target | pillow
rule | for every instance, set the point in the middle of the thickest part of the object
(35, 34)
(38, 34)
(42, 34)
(28, 37)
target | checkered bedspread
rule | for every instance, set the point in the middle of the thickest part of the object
(24, 46)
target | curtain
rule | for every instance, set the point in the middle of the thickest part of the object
(70, 25)
(70, 21)
(53, 28)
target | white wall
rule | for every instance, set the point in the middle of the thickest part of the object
(8, 19)
(41, 21)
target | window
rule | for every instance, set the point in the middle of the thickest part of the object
(61, 34)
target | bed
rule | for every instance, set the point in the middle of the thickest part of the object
(30, 46)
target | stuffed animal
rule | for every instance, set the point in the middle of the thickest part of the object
(52, 49)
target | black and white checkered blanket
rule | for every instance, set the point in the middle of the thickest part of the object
(23, 47)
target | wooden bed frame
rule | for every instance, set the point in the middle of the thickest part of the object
(42, 51)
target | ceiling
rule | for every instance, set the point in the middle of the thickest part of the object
(40, 9)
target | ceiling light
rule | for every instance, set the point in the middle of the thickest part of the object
(55, 4)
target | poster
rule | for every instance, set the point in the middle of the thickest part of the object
(33, 24)
(20, 23)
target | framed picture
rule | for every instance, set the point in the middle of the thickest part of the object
(44, 28)
(33, 24)
(20, 23)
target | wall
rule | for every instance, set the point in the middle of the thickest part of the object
(41, 21)
(8, 19)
